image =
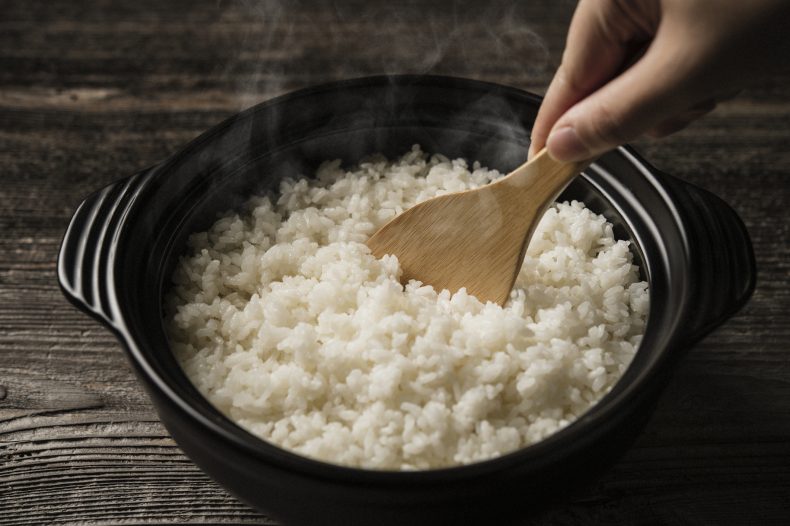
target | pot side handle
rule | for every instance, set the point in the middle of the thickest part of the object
(723, 267)
(86, 257)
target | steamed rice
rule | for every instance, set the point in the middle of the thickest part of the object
(281, 317)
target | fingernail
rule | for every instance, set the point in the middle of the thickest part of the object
(565, 145)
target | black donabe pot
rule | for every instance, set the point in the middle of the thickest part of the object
(121, 246)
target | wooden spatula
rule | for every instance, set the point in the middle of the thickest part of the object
(477, 238)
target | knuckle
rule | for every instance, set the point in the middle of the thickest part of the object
(569, 78)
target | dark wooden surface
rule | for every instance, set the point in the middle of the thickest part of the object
(92, 91)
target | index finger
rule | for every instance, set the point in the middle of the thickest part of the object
(601, 37)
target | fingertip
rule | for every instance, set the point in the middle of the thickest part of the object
(564, 144)
(532, 151)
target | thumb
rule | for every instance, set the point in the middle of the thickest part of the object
(648, 93)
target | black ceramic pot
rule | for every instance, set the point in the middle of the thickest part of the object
(123, 242)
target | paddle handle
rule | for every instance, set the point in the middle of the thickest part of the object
(540, 180)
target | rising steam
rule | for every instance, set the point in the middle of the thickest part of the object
(287, 44)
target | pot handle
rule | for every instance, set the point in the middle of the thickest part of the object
(721, 257)
(86, 258)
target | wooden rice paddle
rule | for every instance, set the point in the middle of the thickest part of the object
(475, 239)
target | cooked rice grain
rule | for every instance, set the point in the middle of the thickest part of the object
(285, 322)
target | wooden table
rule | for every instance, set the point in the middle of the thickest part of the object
(92, 91)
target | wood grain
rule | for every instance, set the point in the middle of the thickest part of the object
(92, 91)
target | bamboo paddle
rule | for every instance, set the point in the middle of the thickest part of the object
(477, 238)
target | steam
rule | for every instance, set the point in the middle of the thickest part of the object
(287, 44)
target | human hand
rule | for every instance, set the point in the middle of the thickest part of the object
(632, 67)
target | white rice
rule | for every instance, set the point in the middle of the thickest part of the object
(284, 321)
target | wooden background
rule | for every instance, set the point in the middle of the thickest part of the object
(91, 91)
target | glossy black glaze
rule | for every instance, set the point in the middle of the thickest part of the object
(124, 240)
